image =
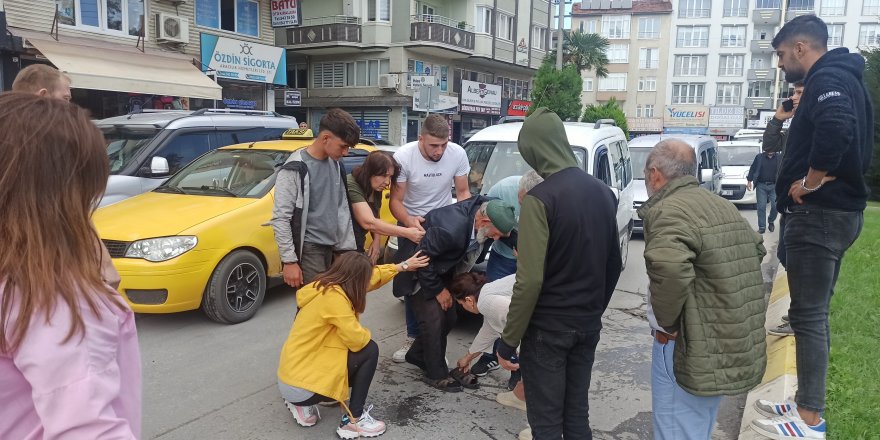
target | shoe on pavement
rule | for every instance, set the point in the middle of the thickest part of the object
(484, 366)
(772, 409)
(399, 356)
(781, 330)
(771, 227)
(525, 434)
(366, 426)
(305, 416)
(760, 230)
(510, 399)
(790, 426)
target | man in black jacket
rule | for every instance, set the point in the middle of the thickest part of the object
(762, 174)
(454, 236)
(822, 194)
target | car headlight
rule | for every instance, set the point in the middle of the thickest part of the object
(162, 248)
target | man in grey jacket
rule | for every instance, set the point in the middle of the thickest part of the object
(312, 217)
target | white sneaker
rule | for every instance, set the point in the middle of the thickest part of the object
(510, 399)
(774, 409)
(305, 416)
(366, 426)
(525, 434)
(400, 355)
(790, 426)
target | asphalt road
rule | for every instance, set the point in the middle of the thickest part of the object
(208, 381)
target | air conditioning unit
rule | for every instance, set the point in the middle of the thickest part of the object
(389, 81)
(172, 28)
(753, 112)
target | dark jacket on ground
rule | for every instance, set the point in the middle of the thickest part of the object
(569, 255)
(704, 263)
(831, 131)
(757, 173)
(774, 137)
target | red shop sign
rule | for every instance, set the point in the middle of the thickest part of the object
(518, 108)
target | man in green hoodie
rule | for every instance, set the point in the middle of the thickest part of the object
(569, 262)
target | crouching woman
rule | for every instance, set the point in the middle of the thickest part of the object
(328, 350)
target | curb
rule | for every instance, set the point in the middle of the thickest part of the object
(780, 378)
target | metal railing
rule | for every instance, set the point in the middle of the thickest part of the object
(646, 64)
(694, 13)
(649, 35)
(692, 42)
(730, 71)
(331, 19)
(615, 35)
(439, 19)
(733, 42)
(736, 12)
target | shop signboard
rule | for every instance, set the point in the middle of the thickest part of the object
(518, 108)
(685, 130)
(292, 98)
(286, 13)
(446, 105)
(764, 118)
(686, 116)
(480, 98)
(243, 60)
(727, 117)
(417, 81)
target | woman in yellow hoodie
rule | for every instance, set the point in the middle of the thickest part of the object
(328, 350)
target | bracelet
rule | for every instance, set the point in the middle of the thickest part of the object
(804, 185)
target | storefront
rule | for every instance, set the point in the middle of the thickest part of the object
(245, 70)
(644, 126)
(686, 119)
(480, 104)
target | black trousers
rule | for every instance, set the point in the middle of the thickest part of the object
(361, 368)
(428, 352)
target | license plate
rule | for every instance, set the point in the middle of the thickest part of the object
(727, 192)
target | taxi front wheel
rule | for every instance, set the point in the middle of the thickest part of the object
(236, 289)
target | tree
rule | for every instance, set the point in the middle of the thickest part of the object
(586, 51)
(609, 110)
(872, 83)
(558, 90)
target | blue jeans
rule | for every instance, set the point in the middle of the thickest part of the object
(499, 266)
(677, 414)
(562, 363)
(764, 192)
(815, 241)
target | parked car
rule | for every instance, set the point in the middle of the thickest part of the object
(600, 149)
(708, 169)
(736, 157)
(203, 239)
(146, 148)
(749, 134)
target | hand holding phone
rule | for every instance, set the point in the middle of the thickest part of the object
(788, 105)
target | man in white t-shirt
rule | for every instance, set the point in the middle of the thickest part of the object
(428, 169)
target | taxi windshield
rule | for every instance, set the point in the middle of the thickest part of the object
(125, 143)
(228, 173)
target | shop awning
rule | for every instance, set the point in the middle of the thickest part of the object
(122, 71)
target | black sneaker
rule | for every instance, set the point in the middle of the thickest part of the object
(771, 227)
(484, 366)
(514, 379)
(761, 230)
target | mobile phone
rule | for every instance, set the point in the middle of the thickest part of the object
(788, 105)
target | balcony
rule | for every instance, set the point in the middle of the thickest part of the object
(694, 13)
(442, 32)
(792, 13)
(325, 31)
(649, 35)
(759, 102)
(761, 46)
(761, 75)
(766, 16)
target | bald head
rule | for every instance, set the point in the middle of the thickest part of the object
(673, 158)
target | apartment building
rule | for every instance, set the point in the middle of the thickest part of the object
(638, 55)
(125, 55)
(372, 57)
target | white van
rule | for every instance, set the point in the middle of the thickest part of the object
(708, 171)
(146, 148)
(600, 149)
(736, 158)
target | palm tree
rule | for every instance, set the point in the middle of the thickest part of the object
(587, 52)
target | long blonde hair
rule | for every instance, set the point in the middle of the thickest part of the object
(53, 171)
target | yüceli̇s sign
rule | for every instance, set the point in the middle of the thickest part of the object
(686, 116)
(243, 60)
(518, 108)
(480, 98)
(286, 13)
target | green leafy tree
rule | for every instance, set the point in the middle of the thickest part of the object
(558, 90)
(872, 82)
(586, 51)
(609, 110)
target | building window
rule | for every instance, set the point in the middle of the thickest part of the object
(505, 27)
(694, 8)
(639, 111)
(649, 28)
(692, 36)
(649, 110)
(690, 65)
(378, 10)
(615, 26)
(116, 16)
(687, 93)
(801, 5)
(729, 94)
(588, 85)
(297, 76)
(512, 88)
(869, 35)
(648, 84)
(736, 8)
(363, 73)
(649, 58)
(484, 20)
(239, 16)
(871, 8)
(835, 35)
(760, 89)
(617, 53)
(730, 65)
(733, 36)
(539, 37)
(588, 27)
(832, 8)
(767, 4)
(614, 82)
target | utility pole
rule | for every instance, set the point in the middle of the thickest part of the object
(559, 35)
(776, 82)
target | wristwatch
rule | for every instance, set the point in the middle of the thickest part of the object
(404, 265)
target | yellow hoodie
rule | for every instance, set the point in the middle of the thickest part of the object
(326, 328)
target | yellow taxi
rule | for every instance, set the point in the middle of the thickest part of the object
(203, 239)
